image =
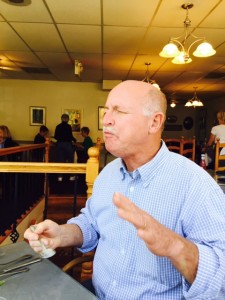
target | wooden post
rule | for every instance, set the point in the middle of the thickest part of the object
(92, 168)
(46, 180)
(47, 148)
(98, 144)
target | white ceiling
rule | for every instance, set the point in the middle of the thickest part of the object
(113, 39)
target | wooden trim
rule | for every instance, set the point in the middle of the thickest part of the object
(31, 167)
(11, 150)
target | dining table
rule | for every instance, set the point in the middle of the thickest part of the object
(41, 280)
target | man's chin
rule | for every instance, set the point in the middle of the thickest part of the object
(109, 147)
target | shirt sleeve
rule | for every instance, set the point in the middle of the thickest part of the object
(210, 274)
(88, 227)
(207, 232)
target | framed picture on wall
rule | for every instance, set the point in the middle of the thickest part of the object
(75, 116)
(101, 110)
(37, 115)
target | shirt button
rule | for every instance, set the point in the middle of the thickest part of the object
(131, 189)
(114, 282)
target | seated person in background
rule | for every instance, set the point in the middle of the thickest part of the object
(40, 137)
(6, 141)
(155, 217)
(217, 131)
(82, 148)
(38, 154)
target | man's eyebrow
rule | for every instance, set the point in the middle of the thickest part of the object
(117, 107)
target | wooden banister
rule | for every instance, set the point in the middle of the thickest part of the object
(91, 169)
(35, 167)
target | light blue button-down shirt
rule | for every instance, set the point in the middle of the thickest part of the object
(181, 196)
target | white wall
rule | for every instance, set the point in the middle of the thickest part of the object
(16, 96)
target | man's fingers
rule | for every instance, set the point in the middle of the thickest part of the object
(130, 212)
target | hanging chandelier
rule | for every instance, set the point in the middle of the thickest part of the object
(181, 55)
(147, 77)
(195, 101)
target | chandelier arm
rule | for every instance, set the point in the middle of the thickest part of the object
(197, 37)
(179, 37)
(178, 42)
(196, 41)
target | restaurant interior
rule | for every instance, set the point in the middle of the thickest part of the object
(65, 56)
(58, 55)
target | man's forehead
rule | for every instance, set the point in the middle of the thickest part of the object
(120, 102)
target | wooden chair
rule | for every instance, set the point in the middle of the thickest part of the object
(219, 159)
(182, 146)
(188, 148)
(82, 264)
(173, 145)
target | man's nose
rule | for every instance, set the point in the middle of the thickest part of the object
(108, 118)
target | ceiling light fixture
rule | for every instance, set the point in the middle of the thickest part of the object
(182, 56)
(172, 103)
(195, 101)
(147, 77)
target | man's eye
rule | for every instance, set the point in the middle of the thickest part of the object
(120, 111)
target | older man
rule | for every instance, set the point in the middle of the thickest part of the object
(156, 218)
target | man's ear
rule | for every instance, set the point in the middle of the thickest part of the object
(156, 122)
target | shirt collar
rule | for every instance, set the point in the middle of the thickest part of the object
(148, 171)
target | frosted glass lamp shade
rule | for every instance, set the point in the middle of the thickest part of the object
(189, 103)
(170, 50)
(204, 50)
(181, 59)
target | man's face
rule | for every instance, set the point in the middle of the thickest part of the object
(125, 125)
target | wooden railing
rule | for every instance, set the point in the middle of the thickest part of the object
(26, 151)
(28, 184)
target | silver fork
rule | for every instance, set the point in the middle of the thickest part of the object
(17, 260)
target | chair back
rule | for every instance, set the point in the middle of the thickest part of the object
(219, 159)
(185, 147)
(173, 145)
(188, 148)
